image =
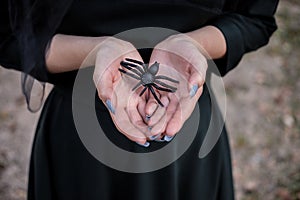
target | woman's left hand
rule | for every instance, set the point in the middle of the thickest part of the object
(185, 56)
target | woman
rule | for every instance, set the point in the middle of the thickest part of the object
(67, 31)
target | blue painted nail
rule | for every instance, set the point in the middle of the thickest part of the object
(154, 137)
(147, 144)
(147, 118)
(159, 140)
(149, 128)
(194, 90)
(110, 106)
(168, 138)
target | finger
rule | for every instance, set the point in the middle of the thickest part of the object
(159, 119)
(105, 87)
(142, 104)
(128, 120)
(105, 74)
(141, 109)
(134, 116)
(151, 106)
(182, 113)
(159, 113)
(106, 90)
(160, 126)
(198, 66)
(196, 81)
(123, 124)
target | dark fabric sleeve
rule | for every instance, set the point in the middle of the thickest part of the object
(247, 25)
(9, 47)
(13, 49)
(26, 30)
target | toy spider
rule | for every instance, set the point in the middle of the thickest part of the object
(147, 77)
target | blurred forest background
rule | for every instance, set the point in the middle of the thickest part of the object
(263, 119)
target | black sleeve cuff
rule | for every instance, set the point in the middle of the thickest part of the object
(30, 61)
(234, 43)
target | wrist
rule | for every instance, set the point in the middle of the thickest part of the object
(67, 52)
(211, 39)
(191, 43)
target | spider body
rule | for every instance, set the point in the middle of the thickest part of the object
(147, 77)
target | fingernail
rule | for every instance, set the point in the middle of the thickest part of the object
(168, 138)
(159, 140)
(154, 137)
(149, 128)
(147, 118)
(146, 144)
(194, 90)
(110, 106)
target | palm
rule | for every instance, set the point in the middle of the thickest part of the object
(115, 90)
(190, 69)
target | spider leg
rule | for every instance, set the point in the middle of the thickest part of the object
(130, 68)
(143, 91)
(165, 85)
(137, 62)
(132, 65)
(134, 61)
(162, 89)
(146, 67)
(155, 96)
(137, 85)
(166, 78)
(129, 74)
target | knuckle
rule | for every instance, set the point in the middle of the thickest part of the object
(101, 93)
(201, 79)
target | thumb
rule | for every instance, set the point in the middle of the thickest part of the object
(196, 81)
(104, 86)
(105, 90)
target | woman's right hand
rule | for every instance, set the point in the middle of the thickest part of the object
(116, 92)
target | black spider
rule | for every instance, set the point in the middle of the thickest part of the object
(147, 77)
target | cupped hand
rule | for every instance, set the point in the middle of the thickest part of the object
(116, 92)
(181, 58)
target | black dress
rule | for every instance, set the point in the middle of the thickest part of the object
(61, 168)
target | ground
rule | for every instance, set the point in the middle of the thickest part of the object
(263, 119)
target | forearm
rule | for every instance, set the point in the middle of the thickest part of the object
(211, 39)
(67, 52)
